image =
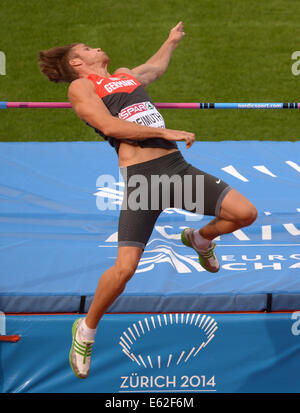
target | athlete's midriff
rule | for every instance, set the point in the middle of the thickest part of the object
(131, 154)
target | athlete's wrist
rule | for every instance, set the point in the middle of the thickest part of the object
(164, 133)
(172, 42)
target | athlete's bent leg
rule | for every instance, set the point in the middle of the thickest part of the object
(112, 283)
(236, 212)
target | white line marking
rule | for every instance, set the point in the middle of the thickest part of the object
(240, 235)
(211, 337)
(127, 354)
(141, 358)
(125, 342)
(150, 362)
(208, 318)
(169, 361)
(165, 318)
(212, 332)
(203, 318)
(190, 353)
(130, 331)
(142, 328)
(293, 165)
(292, 229)
(232, 171)
(197, 319)
(266, 232)
(180, 357)
(264, 170)
(135, 359)
(211, 328)
(207, 327)
(125, 334)
(199, 349)
(137, 331)
(146, 321)
(121, 344)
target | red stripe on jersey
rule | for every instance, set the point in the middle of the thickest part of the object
(122, 82)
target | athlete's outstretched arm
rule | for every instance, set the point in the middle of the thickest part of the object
(156, 66)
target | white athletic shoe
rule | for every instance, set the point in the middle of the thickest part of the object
(207, 258)
(80, 353)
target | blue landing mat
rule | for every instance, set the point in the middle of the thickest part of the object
(59, 208)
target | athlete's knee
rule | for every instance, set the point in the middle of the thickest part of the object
(246, 215)
(123, 273)
(238, 209)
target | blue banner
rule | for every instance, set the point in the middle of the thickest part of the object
(157, 353)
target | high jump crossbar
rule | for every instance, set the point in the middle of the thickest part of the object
(66, 105)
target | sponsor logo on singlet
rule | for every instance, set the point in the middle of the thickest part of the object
(143, 113)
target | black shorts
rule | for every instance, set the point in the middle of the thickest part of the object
(165, 182)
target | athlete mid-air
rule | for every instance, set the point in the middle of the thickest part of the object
(120, 110)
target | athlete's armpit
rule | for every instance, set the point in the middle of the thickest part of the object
(87, 104)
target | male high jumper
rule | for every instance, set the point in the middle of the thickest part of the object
(120, 110)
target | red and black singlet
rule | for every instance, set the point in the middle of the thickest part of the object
(126, 99)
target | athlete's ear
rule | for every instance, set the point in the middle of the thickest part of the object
(75, 62)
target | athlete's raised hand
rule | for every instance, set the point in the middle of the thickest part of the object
(177, 33)
(179, 135)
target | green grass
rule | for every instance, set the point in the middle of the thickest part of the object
(233, 51)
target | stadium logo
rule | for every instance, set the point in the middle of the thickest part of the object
(153, 328)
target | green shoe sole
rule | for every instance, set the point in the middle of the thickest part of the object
(184, 240)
